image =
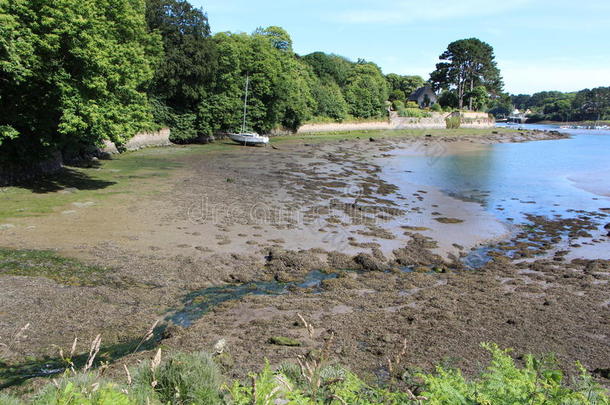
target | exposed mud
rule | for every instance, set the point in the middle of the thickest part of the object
(276, 215)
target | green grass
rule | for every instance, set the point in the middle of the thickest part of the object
(78, 184)
(41, 263)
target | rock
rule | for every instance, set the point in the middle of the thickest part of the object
(607, 226)
(83, 204)
(283, 341)
(608, 235)
(444, 220)
(371, 139)
(368, 262)
(220, 346)
(6, 226)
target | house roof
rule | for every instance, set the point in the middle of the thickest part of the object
(419, 92)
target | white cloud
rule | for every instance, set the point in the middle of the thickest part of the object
(405, 11)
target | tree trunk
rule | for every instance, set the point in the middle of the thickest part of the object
(461, 94)
(471, 89)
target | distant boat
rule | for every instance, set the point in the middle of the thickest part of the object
(248, 138)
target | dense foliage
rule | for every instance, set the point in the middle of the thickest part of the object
(76, 73)
(401, 87)
(587, 104)
(196, 379)
(467, 68)
(72, 73)
(181, 79)
(348, 89)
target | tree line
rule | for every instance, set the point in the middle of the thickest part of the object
(74, 73)
(588, 104)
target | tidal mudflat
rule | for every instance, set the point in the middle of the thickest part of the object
(395, 221)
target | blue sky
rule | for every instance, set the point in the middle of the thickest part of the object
(540, 44)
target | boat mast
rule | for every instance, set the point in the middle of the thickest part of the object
(243, 126)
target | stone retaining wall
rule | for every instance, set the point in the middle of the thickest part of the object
(436, 121)
(140, 141)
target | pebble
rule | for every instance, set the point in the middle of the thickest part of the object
(83, 204)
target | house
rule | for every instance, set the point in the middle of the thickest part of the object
(424, 97)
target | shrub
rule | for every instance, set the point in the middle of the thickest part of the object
(436, 107)
(181, 379)
(398, 105)
(414, 113)
(453, 122)
(83, 389)
(503, 383)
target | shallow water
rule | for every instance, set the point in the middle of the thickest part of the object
(512, 180)
(197, 303)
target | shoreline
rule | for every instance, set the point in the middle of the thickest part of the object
(160, 248)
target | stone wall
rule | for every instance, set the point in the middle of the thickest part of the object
(140, 141)
(17, 174)
(436, 121)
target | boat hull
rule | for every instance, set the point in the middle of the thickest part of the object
(249, 139)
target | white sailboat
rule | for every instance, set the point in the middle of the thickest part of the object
(248, 138)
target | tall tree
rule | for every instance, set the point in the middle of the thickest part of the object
(181, 80)
(280, 85)
(466, 64)
(72, 73)
(593, 103)
(366, 91)
(403, 85)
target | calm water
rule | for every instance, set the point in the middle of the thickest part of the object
(512, 179)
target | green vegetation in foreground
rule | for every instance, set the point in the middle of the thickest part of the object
(37, 263)
(196, 379)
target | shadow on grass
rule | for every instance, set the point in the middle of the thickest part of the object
(64, 179)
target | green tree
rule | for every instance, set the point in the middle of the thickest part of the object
(478, 98)
(330, 100)
(280, 85)
(332, 67)
(277, 36)
(366, 91)
(73, 74)
(593, 103)
(181, 80)
(466, 64)
(403, 84)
